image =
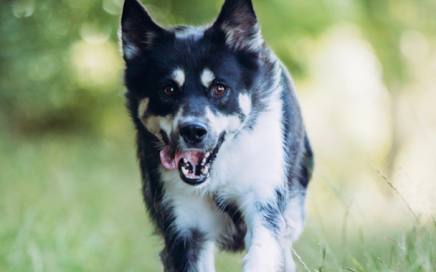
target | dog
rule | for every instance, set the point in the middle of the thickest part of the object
(223, 151)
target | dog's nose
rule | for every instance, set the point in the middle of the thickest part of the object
(193, 133)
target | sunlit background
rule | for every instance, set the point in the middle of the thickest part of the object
(365, 71)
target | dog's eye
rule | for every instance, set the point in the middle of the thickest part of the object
(218, 90)
(169, 90)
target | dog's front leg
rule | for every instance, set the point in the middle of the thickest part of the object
(190, 228)
(263, 251)
(187, 252)
(267, 250)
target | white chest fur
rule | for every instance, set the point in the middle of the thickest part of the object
(253, 161)
(249, 166)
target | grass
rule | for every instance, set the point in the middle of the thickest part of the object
(70, 203)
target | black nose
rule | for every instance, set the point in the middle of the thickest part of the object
(193, 133)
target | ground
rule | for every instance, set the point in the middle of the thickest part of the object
(70, 203)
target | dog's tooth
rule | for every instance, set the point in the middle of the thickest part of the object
(203, 161)
(205, 170)
(207, 155)
(185, 171)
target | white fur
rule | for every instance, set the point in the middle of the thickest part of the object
(178, 76)
(245, 103)
(259, 172)
(165, 124)
(207, 76)
(130, 48)
(192, 211)
(219, 122)
(264, 249)
(207, 258)
(294, 214)
(258, 153)
(237, 38)
(195, 33)
(177, 118)
(130, 51)
(264, 252)
(192, 208)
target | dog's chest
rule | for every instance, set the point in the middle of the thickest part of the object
(252, 162)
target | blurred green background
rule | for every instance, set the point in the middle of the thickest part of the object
(365, 71)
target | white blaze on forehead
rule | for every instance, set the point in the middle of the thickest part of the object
(178, 76)
(245, 103)
(207, 76)
(142, 107)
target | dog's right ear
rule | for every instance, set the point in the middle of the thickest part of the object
(238, 22)
(138, 31)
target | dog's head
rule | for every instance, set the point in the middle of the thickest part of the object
(192, 87)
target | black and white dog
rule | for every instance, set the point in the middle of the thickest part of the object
(223, 151)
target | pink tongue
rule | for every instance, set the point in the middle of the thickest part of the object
(169, 163)
(166, 160)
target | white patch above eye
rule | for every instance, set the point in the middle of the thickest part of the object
(245, 103)
(178, 76)
(142, 107)
(207, 76)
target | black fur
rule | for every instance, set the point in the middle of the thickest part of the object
(272, 211)
(182, 251)
(234, 242)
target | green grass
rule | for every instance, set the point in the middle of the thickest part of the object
(74, 204)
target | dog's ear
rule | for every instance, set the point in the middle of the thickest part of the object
(238, 22)
(138, 31)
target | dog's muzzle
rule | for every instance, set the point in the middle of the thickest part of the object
(194, 134)
(194, 162)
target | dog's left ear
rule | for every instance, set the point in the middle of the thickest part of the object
(138, 30)
(238, 22)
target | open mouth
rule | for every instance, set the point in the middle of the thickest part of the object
(194, 165)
